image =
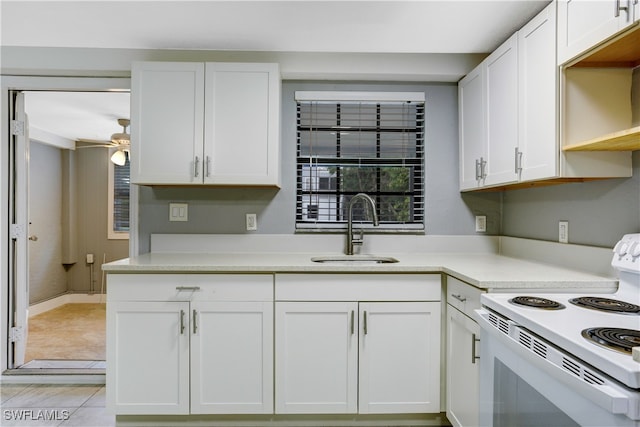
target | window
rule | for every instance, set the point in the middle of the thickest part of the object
(353, 142)
(118, 222)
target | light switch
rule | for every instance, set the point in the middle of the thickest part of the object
(178, 212)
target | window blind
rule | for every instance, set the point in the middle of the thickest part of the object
(121, 183)
(345, 147)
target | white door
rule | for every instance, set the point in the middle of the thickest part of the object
(472, 110)
(148, 361)
(317, 362)
(537, 139)
(231, 357)
(399, 357)
(242, 104)
(167, 113)
(463, 369)
(19, 218)
(502, 113)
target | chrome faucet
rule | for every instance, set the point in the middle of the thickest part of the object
(351, 239)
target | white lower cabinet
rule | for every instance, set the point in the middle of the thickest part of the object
(231, 357)
(463, 367)
(316, 357)
(204, 347)
(370, 355)
(148, 357)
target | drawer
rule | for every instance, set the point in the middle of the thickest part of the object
(463, 296)
(189, 287)
(358, 287)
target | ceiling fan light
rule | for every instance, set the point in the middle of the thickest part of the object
(119, 158)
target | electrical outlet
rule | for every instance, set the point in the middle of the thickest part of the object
(563, 232)
(89, 258)
(252, 222)
(481, 223)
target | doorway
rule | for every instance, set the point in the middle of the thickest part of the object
(67, 238)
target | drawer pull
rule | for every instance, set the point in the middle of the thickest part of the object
(187, 288)
(459, 297)
(474, 340)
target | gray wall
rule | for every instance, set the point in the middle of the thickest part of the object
(91, 190)
(219, 211)
(47, 276)
(599, 212)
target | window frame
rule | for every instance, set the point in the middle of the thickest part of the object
(113, 234)
(302, 226)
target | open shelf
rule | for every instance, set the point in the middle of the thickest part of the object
(625, 140)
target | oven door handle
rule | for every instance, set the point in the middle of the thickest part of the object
(607, 394)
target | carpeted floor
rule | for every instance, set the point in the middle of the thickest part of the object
(71, 331)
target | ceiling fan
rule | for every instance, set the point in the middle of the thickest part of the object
(119, 140)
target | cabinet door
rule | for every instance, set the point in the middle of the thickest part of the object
(471, 105)
(231, 357)
(317, 357)
(583, 24)
(502, 113)
(242, 124)
(538, 140)
(167, 111)
(399, 357)
(462, 369)
(148, 357)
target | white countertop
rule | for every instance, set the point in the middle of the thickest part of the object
(483, 270)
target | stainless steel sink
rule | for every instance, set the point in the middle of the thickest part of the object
(354, 259)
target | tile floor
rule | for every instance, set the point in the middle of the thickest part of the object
(53, 405)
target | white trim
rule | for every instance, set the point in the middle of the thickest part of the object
(61, 300)
(359, 96)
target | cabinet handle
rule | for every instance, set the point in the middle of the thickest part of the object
(195, 321)
(518, 166)
(477, 169)
(187, 288)
(353, 321)
(208, 166)
(625, 8)
(474, 340)
(196, 170)
(459, 297)
(181, 322)
(364, 323)
(483, 168)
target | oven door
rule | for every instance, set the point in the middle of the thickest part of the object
(522, 385)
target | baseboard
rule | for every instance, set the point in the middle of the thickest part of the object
(52, 303)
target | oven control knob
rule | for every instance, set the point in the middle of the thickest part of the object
(635, 249)
(621, 248)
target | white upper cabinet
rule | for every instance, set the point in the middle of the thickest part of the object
(472, 123)
(211, 124)
(583, 24)
(167, 122)
(242, 117)
(537, 155)
(502, 113)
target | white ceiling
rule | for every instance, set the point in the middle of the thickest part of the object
(361, 26)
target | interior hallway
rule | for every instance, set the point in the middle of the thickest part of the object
(74, 331)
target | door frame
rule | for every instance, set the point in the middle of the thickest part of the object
(25, 83)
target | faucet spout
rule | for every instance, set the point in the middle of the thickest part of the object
(351, 239)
